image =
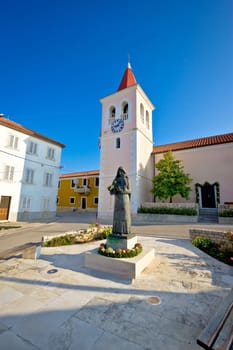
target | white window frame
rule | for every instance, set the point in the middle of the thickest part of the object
(142, 112)
(48, 179)
(45, 204)
(26, 202)
(32, 148)
(9, 173)
(13, 142)
(29, 176)
(74, 200)
(50, 153)
(97, 178)
(118, 143)
(73, 183)
(147, 120)
(94, 199)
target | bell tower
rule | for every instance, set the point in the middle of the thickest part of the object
(126, 140)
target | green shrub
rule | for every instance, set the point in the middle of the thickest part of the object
(171, 211)
(202, 243)
(106, 232)
(226, 213)
(59, 241)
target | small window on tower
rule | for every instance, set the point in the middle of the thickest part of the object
(125, 111)
(112, 114)
(142, 113)
(147, 120)
(118, 142)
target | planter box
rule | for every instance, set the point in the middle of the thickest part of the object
(164, 218)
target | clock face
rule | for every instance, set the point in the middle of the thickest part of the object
(117, 125)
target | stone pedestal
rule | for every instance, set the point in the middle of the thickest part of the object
(32, 252)
(129, 268)
(123, 242)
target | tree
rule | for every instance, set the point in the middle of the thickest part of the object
(171, 179)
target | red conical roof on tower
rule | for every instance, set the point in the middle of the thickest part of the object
(128, 79)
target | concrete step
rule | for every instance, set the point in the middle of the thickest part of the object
(208, 215)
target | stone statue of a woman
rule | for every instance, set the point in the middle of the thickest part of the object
(121, 189)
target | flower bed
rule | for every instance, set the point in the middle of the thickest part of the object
(94, 233)
(120, 253)
(220, 250)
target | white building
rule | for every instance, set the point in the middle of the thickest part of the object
(29, 172)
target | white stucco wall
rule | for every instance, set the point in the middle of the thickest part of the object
(13, 158)
(29, 201)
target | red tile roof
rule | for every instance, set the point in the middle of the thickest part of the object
(202, 142)
(128, 79)
(80, 174)
(15, 126)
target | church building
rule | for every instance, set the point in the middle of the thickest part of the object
(127, 140)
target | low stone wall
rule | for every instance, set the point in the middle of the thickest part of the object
(215, 236)
(166, 218)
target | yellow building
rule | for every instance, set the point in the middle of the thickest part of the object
(78, 191)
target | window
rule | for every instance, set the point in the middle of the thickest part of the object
(142, 113)
(48, 179)
(13, 142)
(26, 203)
(32, 148)
(147, 120)
(73, 183)
(96, 200)
(59, 184)
(112, 114)
(9, 173)
(84, 182)
(58, 199)
(118, 142)
(45, 203)
(72, 200)
(96, 182)
(29, 176)
(124, 110)
(51, 153)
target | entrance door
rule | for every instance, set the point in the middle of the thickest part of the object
(83, 203)
(208, 196)
(5, 202)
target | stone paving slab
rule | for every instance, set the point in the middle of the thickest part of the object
(78, 308)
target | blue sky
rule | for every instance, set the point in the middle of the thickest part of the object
(58, 58)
